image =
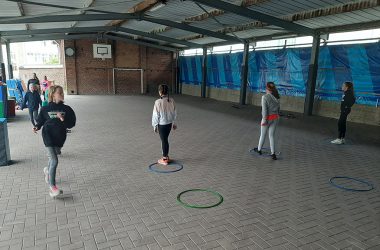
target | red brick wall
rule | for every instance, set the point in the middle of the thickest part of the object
(88, 75)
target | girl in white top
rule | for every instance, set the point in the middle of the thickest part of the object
(163, 120)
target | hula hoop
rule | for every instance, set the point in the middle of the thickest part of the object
(200, 190)
(179, 168)
(370, 185)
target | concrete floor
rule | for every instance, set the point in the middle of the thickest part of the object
(114, 202)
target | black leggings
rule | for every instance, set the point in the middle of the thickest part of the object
(164, 131)
(342, 123)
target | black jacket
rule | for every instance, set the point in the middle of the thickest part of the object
(32, 100)
(348, 100)
(54, 130)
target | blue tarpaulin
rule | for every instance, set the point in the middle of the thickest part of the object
(288, 68)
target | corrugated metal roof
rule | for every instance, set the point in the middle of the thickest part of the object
(8, 9)
(354, 17)
(142, 25)
(177, 33)
(206, 40)
(177, 10)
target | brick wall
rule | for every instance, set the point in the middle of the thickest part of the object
(87, 75)
(53, 74)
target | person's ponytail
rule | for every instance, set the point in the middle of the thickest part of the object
(272, 88)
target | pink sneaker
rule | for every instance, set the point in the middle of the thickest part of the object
(163, 161)
(54, 192)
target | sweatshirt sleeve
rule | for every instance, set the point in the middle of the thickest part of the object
(24, 101)
(264, 108)
(41, 118)
(70, 118)
(155, 115)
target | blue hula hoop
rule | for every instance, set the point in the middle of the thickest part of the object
(370, 185)
(179, 168)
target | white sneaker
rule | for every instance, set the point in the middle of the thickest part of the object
(343, 141)
(337, 141)
(46, 172)
(55, 192)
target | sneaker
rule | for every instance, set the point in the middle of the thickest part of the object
(274, 157)
(258, 151)
(54, 192)
(167, 159)
(337, 141)
(163, 161)
(343, 141)
(46, 172)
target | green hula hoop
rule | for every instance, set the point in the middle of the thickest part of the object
(200, 190)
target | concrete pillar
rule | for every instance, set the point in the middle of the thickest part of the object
(312, 79)
(244, 74)
(204, 73)
(10, 68)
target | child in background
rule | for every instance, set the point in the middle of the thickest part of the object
(44, 86)
(32, 100)
(270, 103)
(163, 120)
(348, 100)
(55, 119)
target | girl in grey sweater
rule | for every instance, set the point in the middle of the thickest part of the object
(270, 103)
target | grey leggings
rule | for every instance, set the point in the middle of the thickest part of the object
(271, 127)
(53, 163)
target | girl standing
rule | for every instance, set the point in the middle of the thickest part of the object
(55, 118)
(163, 120)
(348, 100)
(270, 103)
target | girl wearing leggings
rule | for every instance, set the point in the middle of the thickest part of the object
(348, 100)
(163, 120)
(270, 117)
(55, 118)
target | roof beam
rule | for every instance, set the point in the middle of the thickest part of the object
(116, 16)
(190, 28)
(67, 18)
(110, 16)
(22, 13)
(87, 4)
(59, 6)
(56, 30)
(54, 37)
(242, 11)
(157, 37)
(129, 40)
(11, 34)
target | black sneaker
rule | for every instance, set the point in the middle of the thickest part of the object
(258, 151)
(274, 157)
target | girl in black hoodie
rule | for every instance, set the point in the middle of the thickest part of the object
(55, 118)
(348, 100)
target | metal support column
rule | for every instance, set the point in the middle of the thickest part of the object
(312, 79)
(204, 73)
(9, 61)
(244, 74)
(2, 65)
